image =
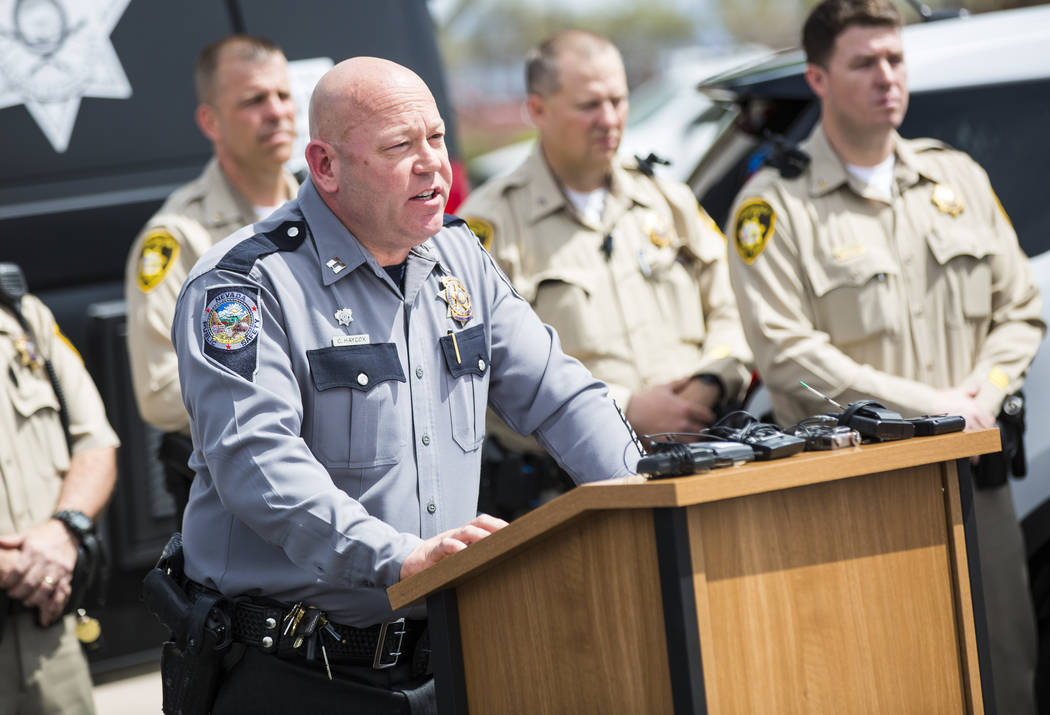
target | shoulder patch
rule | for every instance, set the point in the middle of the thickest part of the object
(230, 324)
(482, 229)
(159, 251)
(753, 227)
(286, 237)
(705, 218)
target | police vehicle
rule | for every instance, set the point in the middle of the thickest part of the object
(96, 129)
(981, 83)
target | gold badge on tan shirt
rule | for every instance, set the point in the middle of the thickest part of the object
(659, 234)
(482, 229)
(753, 227)
(455, 294)
(159, 251)
(946, 201)
(28, 353)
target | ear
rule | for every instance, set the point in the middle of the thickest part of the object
(321, 158)
(817, 79)
(207, 122)
(536, 107)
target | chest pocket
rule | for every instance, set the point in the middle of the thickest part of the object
(855, 298)
(467, 360)
(961, 254)
(566, 300)
(355, 420)
(38, 428)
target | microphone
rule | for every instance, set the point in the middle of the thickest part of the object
(607, 246)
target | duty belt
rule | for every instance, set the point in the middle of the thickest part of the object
(276, 628)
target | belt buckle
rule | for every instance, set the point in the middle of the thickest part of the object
(378, 662)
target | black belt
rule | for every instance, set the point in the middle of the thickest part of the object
(269, 626)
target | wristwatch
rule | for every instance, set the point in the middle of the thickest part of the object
(78, 523)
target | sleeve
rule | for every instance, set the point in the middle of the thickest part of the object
(1017, 327)
(160, 259)
(766, 273)
(538, 389)
(246, 427)
(725, 352)
(88, 425)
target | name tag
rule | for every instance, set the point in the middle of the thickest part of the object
(341, 340)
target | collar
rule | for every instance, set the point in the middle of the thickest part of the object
(224, 204)
(827, 171)
(547, 196)
(336, 246)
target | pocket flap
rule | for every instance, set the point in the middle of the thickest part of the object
(946, 245)
(33, 394)
(473, 353)
(828, 272)
(359, 367)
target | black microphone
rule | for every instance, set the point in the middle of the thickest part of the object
(607, 246)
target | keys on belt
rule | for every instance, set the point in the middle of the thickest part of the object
(310, 626)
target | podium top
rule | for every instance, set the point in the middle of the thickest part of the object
(639, 493)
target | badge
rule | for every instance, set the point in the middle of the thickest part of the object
(159, 251)
(344, 316)
(455, 294)
(946, 201)
(482, 229)
(754, 225)
(230, 325)
(28, 353)
(659, 236)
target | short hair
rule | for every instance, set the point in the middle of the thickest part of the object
(541, 64)
(248, 48)
(831, 18)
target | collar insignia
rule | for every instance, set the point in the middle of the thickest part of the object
(335, 264)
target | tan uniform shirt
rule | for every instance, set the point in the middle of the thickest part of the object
(192, 220)
(33, 452)
(864, 298)
(659, 308)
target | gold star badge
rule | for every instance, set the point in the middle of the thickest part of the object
(946, 201)
(455, 294)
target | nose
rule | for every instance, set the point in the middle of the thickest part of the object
(884, 71)
(609, 115)
(429, 158)
(279, 106)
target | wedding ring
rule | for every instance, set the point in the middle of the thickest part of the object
(49, 581)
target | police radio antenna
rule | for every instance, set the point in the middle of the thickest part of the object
(820, 394)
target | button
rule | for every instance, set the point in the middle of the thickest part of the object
(267, 642)
(481, 365)
(271, 623)
(432, 507)
(419, 372)
(362, 379)
(426, 439)
(293, 231)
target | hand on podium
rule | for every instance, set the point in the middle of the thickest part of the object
(437, 547)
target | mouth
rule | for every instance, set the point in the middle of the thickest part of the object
(426, 195)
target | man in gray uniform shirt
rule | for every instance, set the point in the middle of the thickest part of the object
(336, 365)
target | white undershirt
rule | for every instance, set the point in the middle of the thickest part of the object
(263, 211)
(878, 178)
(590, 204)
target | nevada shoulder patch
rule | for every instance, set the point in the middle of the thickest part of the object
(230, 325)
(482, 229)
(159, 251)
(754, 225)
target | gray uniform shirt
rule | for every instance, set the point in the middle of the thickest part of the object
(336, 422)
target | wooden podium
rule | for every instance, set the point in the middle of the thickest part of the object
(828, 582)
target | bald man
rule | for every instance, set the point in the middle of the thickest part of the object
(336, 361)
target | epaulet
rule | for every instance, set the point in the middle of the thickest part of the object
(452, 220)
(286, 237)
(646, 165)
(785, 156)
(929, 144)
